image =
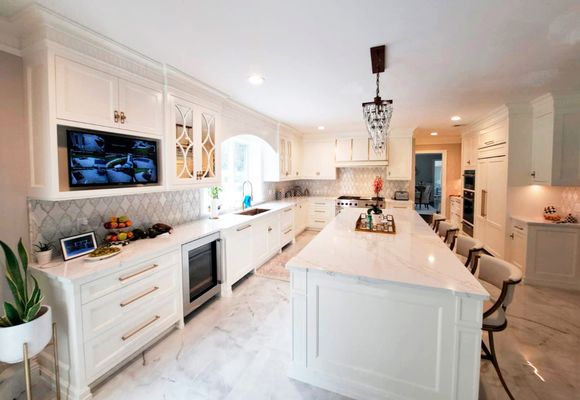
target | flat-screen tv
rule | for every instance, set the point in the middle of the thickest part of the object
(104, 159)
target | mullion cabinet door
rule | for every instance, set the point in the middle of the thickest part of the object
(184, 140)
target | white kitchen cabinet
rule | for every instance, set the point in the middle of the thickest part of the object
(455, 204)
(260, 235)
(285, 163)
(400, 151)
(90, 96)
(320, 213)
(491, 203)
(469, 151)
(300, 216)
(343, 149)
(286, 226)
(193, 135)
(549, 253)
(360, 149)
(318, 159)
(103, 320)
(239, 253)
(140, 107)
(495, 133)
(273, 229)
(357, 152)
(555, 140)
(517, 244)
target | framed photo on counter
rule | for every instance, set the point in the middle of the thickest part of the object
(78, 245)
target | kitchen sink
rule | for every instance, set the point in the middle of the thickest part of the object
(253, 211)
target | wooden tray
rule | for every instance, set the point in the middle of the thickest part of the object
(360, 227)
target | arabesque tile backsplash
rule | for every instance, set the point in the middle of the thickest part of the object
(50, 221)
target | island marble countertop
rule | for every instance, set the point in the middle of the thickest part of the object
(415, 256)
(541, 221)
(79, 271)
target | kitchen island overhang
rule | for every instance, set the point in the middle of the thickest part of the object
(373, 317)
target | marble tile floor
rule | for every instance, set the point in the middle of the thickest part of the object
(239, 348)
(275, 267)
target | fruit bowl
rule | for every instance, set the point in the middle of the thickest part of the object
(121, 222)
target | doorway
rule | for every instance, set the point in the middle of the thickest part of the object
(430, 182)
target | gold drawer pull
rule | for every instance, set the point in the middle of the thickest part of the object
(243, 228)
(287, 210)
(322, 222)
(320, 211)
(139, 296)
(288, 231)
(140, 328)
(124, 278)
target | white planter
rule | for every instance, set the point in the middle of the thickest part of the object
(36, 333)
(43, 257)
(215, 209)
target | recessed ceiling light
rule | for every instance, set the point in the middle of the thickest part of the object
(255, 80)
(321, 128)
(456, 118)
(434, 134)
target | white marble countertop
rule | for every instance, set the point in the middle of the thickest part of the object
(542, 221)
(80, 271)
(414, 256)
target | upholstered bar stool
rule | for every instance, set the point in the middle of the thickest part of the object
(437, 218)
(448, 232)
(504, 276)
(466, 248)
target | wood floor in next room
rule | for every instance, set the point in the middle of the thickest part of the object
(239, 348)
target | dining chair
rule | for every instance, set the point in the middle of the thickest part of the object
(437, 218)
(504, 276)
(466, 248)
(448, 232)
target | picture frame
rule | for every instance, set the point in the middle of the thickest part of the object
(78, 245)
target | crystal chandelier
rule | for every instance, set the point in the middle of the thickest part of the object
(377, 113)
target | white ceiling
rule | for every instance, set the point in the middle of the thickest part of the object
(444, 57)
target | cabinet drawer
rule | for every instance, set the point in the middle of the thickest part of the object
(108, 311)
(317, 223)
(321, 213)
(286, 235)
(127, 276)
(107, 350)
(287, 218)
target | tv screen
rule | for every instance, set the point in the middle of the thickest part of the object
(101, 159)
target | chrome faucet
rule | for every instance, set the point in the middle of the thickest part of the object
(244, 194)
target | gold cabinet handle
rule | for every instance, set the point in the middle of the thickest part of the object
(124, 278)
(139, 296)
(484, 203)
(288, 231)
(316, 220)
(140, 328)
(269, 229)
(116, 116)
(123, 117)
(287, 210)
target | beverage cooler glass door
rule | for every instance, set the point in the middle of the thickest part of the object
(201, 271)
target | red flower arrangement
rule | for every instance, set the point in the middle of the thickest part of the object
(377, 185)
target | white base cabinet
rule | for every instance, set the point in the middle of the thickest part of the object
(248, 246)
(320, 213)
(104, 322)
(395, 342)
(549, 254)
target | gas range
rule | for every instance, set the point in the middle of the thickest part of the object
(359, 201)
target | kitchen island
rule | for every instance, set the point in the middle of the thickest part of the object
(378, 316)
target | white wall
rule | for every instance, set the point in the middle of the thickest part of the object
(14, 170)
(14, 173)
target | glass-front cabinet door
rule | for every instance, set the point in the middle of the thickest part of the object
(194, 136)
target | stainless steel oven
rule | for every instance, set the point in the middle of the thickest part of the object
(202, 273)
(468, 211)
(469, 179)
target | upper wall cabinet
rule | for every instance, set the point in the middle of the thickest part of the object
(469, 151)
(318, 159)
(357, 151)
(288, 160)
(400, 151)
(90, 96)
(556, 140)
(194, 151)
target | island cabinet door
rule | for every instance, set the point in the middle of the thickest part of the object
(395, 341)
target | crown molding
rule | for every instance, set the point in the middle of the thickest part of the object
(9, 40)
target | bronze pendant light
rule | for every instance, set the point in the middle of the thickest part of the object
(378, 113)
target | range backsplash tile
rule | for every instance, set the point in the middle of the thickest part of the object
(349, 181)
(50, 221)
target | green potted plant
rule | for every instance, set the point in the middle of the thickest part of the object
(26, 320)
(214, 208)
(43, 253)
